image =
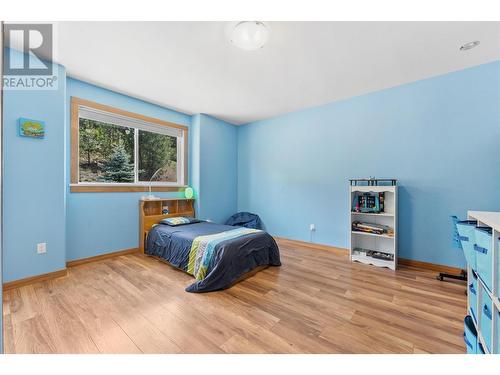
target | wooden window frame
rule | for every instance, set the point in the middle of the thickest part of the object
(81, 187)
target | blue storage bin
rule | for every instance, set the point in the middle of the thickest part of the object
(480, 349)
(486, 318)
(483, 255)
(498, 272)
(472, 295)
(497, 333)
(466, 234)
(470, 335)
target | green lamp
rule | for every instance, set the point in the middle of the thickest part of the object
(188, 192)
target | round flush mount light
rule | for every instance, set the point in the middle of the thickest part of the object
(470, 45)
(249, 35)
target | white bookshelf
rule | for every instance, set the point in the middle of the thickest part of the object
(369, 241)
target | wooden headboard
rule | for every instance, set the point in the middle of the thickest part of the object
(150, 213)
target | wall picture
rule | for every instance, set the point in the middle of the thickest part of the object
(31, 128)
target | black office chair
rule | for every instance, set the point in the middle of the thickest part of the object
(457, 245)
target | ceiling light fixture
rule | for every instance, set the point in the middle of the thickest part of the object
(249, 35)
(470, 45)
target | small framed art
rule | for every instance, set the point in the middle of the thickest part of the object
(31, 128)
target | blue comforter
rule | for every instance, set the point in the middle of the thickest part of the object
(232, 259)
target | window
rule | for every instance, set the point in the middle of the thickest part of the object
(115, 150)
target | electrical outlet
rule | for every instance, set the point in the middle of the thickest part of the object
(41, 248)
(312, 227)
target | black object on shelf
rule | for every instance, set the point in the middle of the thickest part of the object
(380, 255)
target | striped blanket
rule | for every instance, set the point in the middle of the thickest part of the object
(203, 249)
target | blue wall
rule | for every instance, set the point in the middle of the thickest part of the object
(99, 223)
(194, 165)
(34, 183)
(440, 137)
(1, 240)
(218, 178)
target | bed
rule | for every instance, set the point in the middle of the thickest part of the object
(216, 255)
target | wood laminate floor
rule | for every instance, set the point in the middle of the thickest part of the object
(317, 302)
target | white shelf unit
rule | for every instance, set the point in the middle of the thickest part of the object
(370, 241)
(492, 220)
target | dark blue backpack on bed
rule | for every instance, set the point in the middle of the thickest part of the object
(245, 219)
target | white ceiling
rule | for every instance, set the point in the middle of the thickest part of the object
(192, 67)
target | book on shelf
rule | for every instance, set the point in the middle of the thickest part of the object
(369, 202)
(373, 254)
(373, 228)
